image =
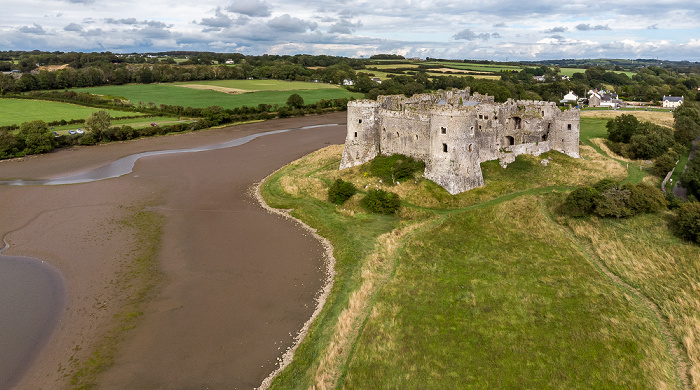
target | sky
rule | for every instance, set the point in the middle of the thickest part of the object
(498, 30)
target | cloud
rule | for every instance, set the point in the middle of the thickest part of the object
(81, 1)
(588, 27)
(73, 27)
(500, 25)
(344, 26)
(469, 35)
(288, 23)
(252, 8)
(219, 21)
(556, 30)
(652, 27)
(36, 30)
(129, 21)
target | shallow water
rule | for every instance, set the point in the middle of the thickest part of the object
(125, 165)
(32, 292)
(32, 297)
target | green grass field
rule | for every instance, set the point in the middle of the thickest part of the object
(263, 85)
(175, 95)
(16, 111)
(493, 288)
(476, 67)
(133, 122)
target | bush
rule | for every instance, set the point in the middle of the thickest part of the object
(664, 163)
(394, 168)
(645, 198)
(613, 203)
(340, 191)
(381, 202)
(688, 221)
(690, 179)
(580, 202)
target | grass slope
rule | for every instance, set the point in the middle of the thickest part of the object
(172, 94)
(491, 288)
(16, 111)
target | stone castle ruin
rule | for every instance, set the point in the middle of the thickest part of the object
(453, 133)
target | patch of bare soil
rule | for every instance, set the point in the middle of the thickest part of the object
(230, 91)
(661, 118)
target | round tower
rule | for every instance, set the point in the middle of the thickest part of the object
(362, 140)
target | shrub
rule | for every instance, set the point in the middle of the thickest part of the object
(664, 163)
(381, 202)
(613, 203)
(396, 167)
(340, 191)
(688, 221)
(580, 202)
(645, 198)
(690, 179)
(622, 128)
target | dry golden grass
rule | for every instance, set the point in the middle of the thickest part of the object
(643, 253)
(375, 272)
(231, 91)
(662, 118)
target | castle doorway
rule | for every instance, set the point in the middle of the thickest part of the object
(510, 140)
(518, 122)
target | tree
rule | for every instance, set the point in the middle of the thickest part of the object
(622, 128)
(37, 137)
(688, 221)
(340, 191)
(690, 179)
(295, 101)
(97, 123)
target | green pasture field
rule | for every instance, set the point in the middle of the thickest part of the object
(263, 85)
(570, 72)
(172, 94)
(133, 122)
(16, 111)
(393, 66)
(493, 288)
(476, 67)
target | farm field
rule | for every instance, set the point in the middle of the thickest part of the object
(570, 71)
(477, 67)
(262, 85)
(133, 122)
(493, 288)
(16, 111)
(172, 94)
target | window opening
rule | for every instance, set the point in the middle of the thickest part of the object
(444, 148)
(356, 134)
(568, 126)
(518, 122)
(510, 140)
(360, 120)
(443, 130)
(470, 148)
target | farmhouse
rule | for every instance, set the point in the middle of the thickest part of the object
(453, 132)
(672, 101)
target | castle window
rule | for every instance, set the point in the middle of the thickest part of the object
(416, 137)
(481, 116)
(486, 117)
(495, 117)
(398, 135)
(443, 130)
(444, 148)
(568, 126)
(479, 127)
(470, 148)
(518, 122)
(356, 134)
(360, 120)
(510, 140)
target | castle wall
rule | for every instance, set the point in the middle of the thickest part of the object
(454, 150)
(406, 132)
(362, 139)
(454, 132)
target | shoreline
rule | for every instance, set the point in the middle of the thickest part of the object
(74, 217)
(329, 262)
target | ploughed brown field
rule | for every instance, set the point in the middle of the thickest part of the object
(235, 283)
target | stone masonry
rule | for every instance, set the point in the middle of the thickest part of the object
(453, 132)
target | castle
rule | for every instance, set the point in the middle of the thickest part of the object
(453, 132)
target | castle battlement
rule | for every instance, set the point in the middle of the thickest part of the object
(454, 132)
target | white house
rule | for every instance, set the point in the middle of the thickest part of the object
(570, 97)
(672, 101)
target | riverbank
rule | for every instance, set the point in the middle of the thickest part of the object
(236, 282)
